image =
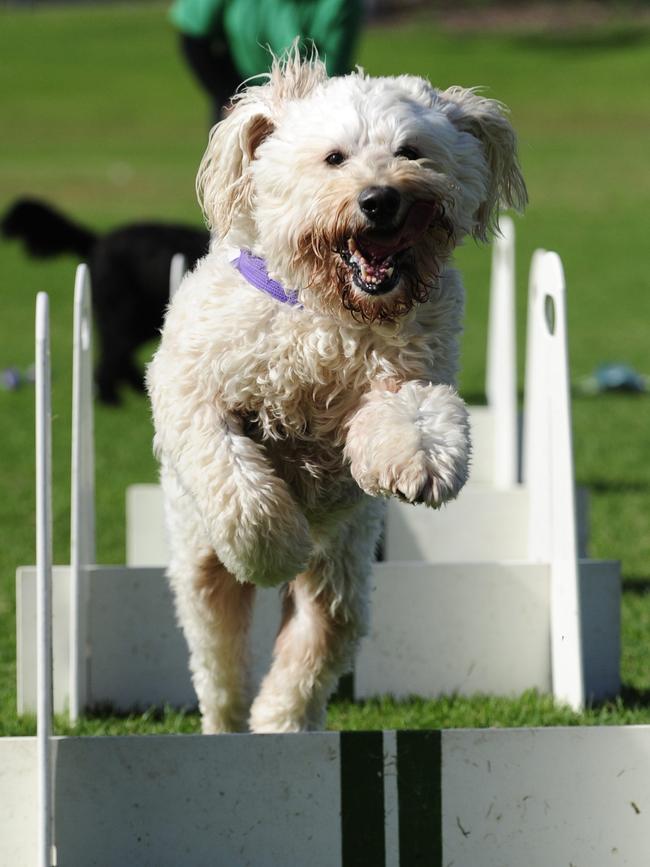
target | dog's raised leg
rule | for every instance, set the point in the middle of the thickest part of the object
(412, 443)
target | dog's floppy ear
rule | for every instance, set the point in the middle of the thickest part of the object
(486, 120)
(223, 183)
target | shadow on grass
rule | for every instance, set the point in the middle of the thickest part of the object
(153, 714)
(618, 487)
(636, 586)
(596, 39)
(634, 699)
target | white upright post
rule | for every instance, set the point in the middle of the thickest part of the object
(177, 271)
(501, 374)
(82, 518)
(537, 437)
(44, 578)
(551, 475)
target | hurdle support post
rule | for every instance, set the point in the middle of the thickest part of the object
(548, 463)
(82, 512)
(44, 578)
(501, 369)
(177, 271)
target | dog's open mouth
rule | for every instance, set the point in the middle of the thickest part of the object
(374, 257)
(372, 273)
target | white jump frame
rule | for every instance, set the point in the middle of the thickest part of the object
(548, 463)
(549, 441)
(501, 365)
(82, 512)
(472, 797)
(44, 577)
(177, 271)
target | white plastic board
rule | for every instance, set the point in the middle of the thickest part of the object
(481, 628)
(472, 798)
(137, 653)
(435, 628)
(146, 542)
(482, 524)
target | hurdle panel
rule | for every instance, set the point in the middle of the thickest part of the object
(577, 795)
(483, 524)
(434, 629)
(137, 655)
(146, 537)
(147, 545)
(460, 628)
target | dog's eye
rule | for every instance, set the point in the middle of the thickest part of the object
(335, 158)
(407, 152)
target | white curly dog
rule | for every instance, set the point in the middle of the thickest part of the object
(307, 364)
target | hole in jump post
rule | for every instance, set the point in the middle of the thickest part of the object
(549, 313)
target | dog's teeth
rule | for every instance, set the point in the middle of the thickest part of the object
(390, 271)
(352, 245)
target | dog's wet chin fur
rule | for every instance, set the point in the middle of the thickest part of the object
(281, 429)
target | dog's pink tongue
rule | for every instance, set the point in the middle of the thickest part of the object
(417, 221)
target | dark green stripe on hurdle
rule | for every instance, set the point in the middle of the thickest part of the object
(419, 791)
(362, 799)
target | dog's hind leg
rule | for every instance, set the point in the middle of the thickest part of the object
(324, 617)
(214, 610)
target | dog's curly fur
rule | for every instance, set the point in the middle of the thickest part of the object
(280, 429)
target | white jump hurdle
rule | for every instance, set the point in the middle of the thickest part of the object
(390, 799)
(534, 797)
(396, 657)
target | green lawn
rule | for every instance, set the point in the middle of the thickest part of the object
(101, 117)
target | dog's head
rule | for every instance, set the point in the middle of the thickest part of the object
(355, 189)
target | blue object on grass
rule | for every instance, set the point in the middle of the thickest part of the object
(11, 379)
(613, 377)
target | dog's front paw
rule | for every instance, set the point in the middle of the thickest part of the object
(413, 445)
(266, 541)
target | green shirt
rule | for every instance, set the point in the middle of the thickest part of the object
(250, 27)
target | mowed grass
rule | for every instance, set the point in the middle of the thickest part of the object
(101, 117)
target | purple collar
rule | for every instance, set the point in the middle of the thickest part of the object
(253, 269)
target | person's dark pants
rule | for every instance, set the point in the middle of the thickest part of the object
(213, 67)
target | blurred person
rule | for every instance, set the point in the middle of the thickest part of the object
(226, 42)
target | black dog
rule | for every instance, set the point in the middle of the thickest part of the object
(129, 271)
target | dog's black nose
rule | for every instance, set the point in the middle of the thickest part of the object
(379, 204)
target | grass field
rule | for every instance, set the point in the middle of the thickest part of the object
(101, 117)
